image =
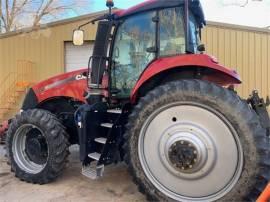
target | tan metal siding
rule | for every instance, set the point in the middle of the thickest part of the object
(247, 51)
(45, 48)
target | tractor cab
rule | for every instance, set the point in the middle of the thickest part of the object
(128, 41)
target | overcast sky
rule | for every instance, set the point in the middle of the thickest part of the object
(255, 13)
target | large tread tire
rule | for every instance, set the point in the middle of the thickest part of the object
(57, 142)
(256, 170)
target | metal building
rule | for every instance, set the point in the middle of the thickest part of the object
(29, 56)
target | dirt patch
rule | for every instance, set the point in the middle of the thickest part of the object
(116, 185)
(3, 174)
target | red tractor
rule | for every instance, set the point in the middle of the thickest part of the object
(155, 101)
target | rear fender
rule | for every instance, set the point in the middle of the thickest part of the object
(206, 65)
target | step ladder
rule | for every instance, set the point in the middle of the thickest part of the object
(95, 169)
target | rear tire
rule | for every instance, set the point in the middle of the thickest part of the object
(225, 160)
(37, 145)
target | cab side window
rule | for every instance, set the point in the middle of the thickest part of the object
(172, 32)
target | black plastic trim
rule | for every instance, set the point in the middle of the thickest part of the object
(30, 101)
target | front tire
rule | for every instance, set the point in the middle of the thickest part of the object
(191, 140)
(37, 146)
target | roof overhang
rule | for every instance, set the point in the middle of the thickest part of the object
(53, 24)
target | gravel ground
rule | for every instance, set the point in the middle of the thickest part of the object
(116, 185)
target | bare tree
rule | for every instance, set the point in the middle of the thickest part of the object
(16, 14)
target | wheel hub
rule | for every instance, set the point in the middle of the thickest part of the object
(185, 150)
(36, 149)
(183, 155)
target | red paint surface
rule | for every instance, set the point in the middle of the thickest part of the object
(73, 89)
(223, 77)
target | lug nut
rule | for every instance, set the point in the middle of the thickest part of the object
(190, 166)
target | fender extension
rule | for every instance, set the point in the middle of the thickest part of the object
(260, 107)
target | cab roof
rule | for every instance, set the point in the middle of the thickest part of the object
(194, 5)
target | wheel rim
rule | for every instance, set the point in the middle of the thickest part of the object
(30, 149)
(190, 152)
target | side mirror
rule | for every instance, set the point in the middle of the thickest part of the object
(78, 37)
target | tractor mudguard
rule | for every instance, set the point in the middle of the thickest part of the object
(71, 85)
(223, 77)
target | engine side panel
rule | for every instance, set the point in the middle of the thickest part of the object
(223, 76)
(72, 84)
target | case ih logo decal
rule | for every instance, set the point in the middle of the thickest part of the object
(80, 77)
(63, 82)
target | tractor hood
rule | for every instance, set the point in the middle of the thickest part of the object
(194, 5)
(68, 85)
(60, 80)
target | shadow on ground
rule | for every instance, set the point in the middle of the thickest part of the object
(116, 185)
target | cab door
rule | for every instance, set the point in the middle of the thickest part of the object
(134, 48)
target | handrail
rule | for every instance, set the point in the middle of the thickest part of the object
(4, 80)
(9, 84)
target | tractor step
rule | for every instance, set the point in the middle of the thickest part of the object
(101, 140)
(95, 156)
(107, 125)
(92, 171)
(115, 111)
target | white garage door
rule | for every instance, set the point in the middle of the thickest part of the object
(76, 57)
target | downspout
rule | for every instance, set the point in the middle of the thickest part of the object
(1, 13)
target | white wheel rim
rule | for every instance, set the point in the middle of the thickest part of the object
(19, 150)
(218, 161)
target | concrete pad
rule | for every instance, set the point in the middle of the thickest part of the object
(116, 185)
